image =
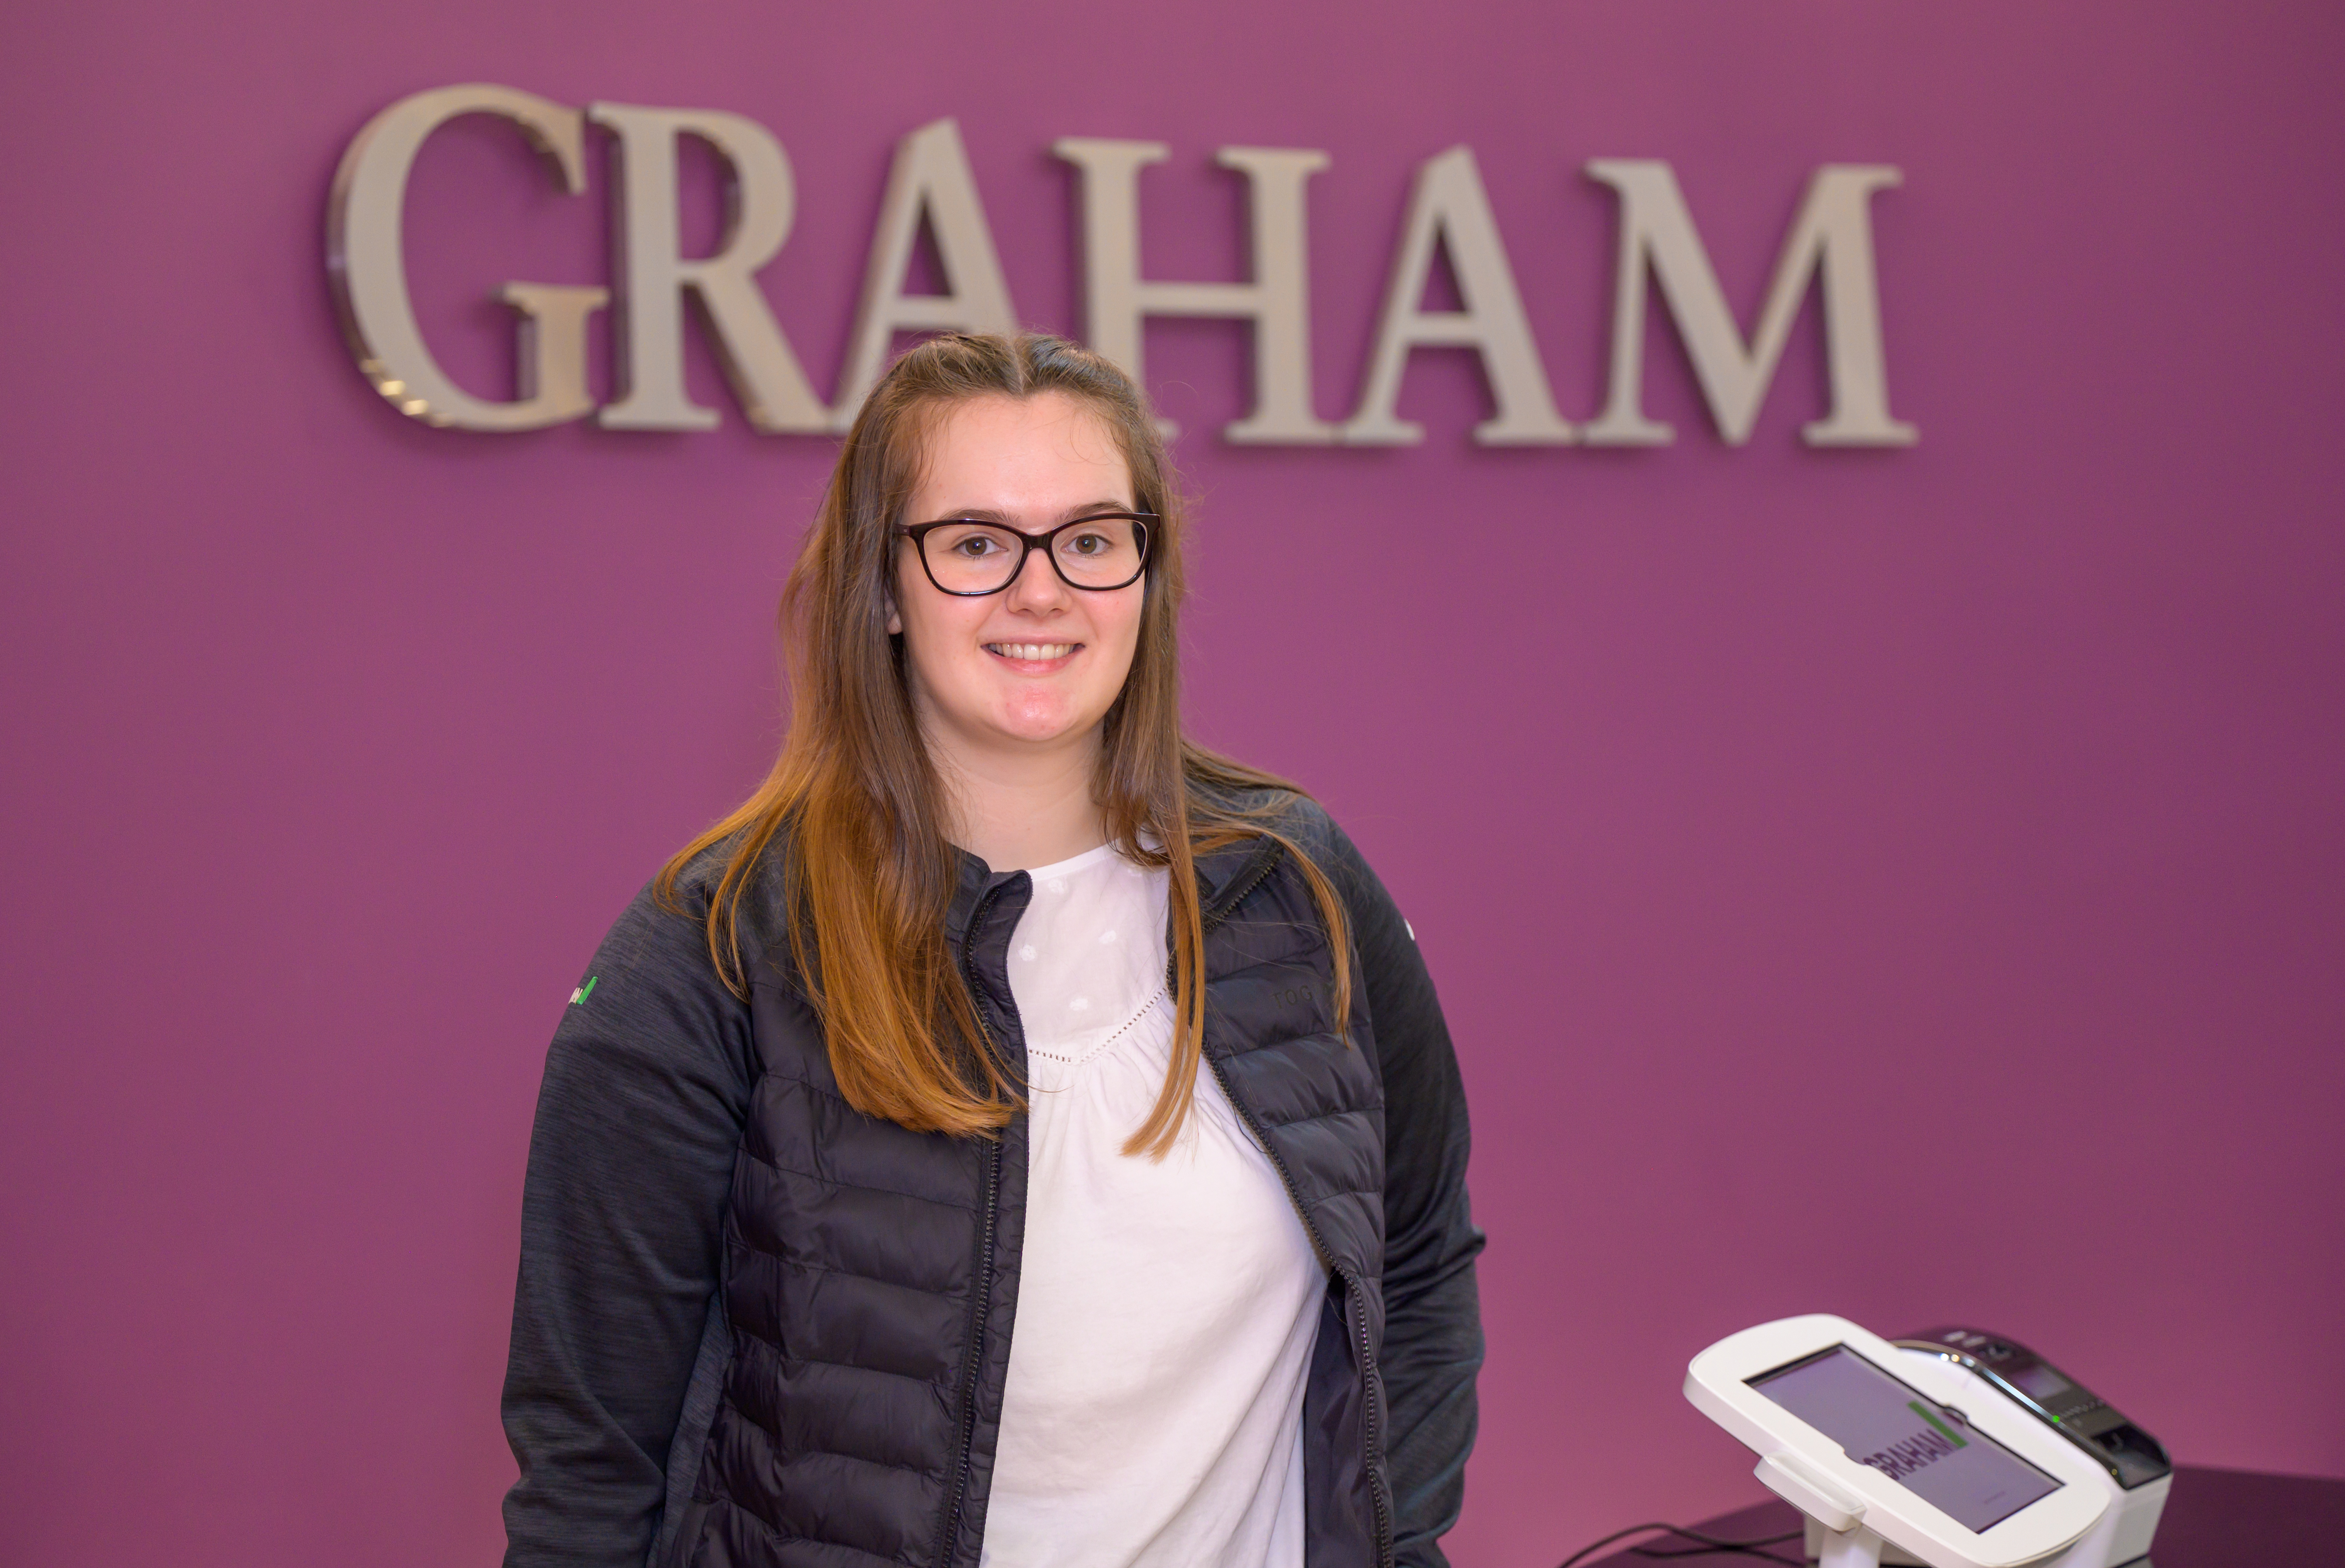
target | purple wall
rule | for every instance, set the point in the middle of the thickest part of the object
(1904, 884)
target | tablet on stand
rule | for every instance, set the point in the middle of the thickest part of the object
(1873, 1445)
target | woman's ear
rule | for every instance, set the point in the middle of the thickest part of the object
(895, 618)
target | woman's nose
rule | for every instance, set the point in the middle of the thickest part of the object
(1037, 584)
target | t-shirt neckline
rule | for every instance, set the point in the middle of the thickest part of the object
(1078, 862)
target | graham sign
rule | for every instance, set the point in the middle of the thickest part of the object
(1828, 245)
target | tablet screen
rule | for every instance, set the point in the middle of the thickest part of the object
(1880, 1421)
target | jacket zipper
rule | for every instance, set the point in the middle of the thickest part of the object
(1257, 871)
(1369, 1382)
(981, 1295)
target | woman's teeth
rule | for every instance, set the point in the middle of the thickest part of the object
(1037, 651)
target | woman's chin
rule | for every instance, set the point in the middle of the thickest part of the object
(1039, 736)
(1040, 724)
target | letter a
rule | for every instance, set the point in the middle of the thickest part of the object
(931, 175)
(1449, 204)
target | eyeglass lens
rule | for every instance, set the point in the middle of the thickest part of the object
(980, 557)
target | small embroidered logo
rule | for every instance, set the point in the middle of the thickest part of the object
(578, 997)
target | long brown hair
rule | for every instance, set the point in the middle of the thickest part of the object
(869, 873)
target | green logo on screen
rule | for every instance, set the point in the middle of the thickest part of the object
(1923, 1448)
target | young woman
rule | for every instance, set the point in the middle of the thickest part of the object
(1017, 1136)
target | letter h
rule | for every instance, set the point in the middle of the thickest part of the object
(1277, 301)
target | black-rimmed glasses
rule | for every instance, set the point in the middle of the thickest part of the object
(963, 556)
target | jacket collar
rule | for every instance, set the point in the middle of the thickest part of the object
(1228, 874)
(1224, 875)
(979, 884)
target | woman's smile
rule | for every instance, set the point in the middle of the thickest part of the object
(1034, 658)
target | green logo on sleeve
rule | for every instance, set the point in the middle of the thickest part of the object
(578, 997)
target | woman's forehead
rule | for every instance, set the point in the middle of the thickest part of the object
(1043, 448)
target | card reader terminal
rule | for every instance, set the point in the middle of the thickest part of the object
(2132, 1457)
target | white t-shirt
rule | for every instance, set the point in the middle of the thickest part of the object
(1153, 1414)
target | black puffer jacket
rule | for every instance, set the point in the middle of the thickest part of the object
(755, 1326)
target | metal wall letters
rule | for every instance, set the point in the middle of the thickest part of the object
(1833, 232)
(1448, 204)
(1278, 300)
(931, 175)
(1829, 242)
(366, 256)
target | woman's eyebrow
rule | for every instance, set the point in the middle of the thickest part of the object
(989, 514)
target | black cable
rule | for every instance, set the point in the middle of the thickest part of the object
(1709, 1543)
(1732, 1548)
(1751, 1547)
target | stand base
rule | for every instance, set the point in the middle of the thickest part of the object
(1857, 1548)
(2080, 1555)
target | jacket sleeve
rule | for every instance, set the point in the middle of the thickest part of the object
(630, 1162)
(1433, 1315)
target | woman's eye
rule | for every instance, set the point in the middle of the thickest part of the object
(1090, 544)
(975, 545)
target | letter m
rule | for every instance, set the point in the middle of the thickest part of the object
(1831, 237)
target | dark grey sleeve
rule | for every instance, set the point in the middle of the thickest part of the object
(1433, 1315)
(630, 1162)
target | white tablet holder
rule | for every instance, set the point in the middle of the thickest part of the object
(1988, 1486)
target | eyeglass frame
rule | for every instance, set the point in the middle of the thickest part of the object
(917, 532)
